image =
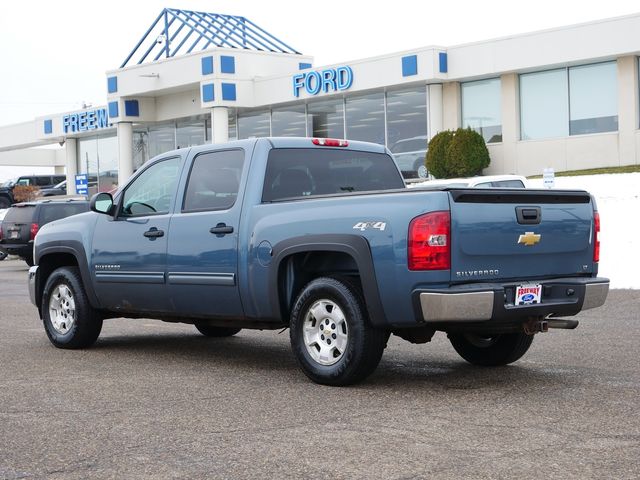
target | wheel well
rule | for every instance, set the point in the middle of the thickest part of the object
(47, 264)
(298, 269)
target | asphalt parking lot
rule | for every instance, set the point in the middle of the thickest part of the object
(156, 400)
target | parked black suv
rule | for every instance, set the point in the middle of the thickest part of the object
(40, 181)
(23, 220)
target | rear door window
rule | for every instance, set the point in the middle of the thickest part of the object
(43, 181)
(214, 181)
(304, 172)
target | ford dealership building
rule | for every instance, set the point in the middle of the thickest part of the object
(566, 98)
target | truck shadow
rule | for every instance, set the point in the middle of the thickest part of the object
(253, 355)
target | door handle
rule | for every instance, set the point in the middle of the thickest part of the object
(153, 232)
(221, 229)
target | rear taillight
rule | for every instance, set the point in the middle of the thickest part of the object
(330, 142)
(596, 237)
(33, 231)
(429, 244)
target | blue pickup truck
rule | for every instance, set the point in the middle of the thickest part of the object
(320, 236)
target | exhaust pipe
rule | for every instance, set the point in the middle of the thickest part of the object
(562, 323)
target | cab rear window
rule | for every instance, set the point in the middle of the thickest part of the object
(304, 172)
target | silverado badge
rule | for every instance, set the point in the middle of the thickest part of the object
(529, 239)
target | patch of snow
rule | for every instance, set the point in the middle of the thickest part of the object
(618, 199)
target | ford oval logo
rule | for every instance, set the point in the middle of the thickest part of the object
(528, 297)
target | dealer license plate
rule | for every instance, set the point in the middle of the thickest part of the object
(528, 294)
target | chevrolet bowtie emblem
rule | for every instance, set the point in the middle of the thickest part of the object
(529, 238)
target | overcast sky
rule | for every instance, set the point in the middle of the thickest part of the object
(54, 54)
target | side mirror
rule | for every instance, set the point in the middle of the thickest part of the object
(102, 203)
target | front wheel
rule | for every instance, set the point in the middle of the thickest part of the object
(330, 334)
(3, 254)
(69, 319)
(491, 350)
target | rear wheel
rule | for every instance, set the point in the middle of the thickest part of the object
(3, 254)
(211, 331)
(28, 259)
(4, 202)
(491, 350)
(330, 334)
(69, 319)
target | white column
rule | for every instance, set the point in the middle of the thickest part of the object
(219, 125)
(71, 163)
(627, 110)
(451, 111)
(435, 124)
(125, 151)
(510, 97)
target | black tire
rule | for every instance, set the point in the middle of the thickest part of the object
(363, 344)
(3, 254)
(4, 203)
(86, 323)
(211, 331)
(491, 350)
(28, 259)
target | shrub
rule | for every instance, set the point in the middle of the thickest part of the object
(467, 154)
(436, 154)
(25, 193)
(462, 153)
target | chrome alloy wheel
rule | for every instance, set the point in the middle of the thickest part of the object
(62, 309)
(325, 332)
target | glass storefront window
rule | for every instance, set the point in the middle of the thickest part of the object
(593, 98)
(254, 124)
(98, 158)
(544, 105)
(407, 128)
(140, 148)
(325, 118)
(162, 138)
(365, 117)
(189, 133)
(481, 108)
(233, 127)
(108, 163)
(288, 121)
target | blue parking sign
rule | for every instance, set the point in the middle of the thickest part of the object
(82, 184)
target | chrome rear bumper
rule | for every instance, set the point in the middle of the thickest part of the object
(484, 302)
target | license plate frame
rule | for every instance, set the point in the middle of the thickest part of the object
(528, 294)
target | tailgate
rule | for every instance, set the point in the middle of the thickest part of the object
(516, 234)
